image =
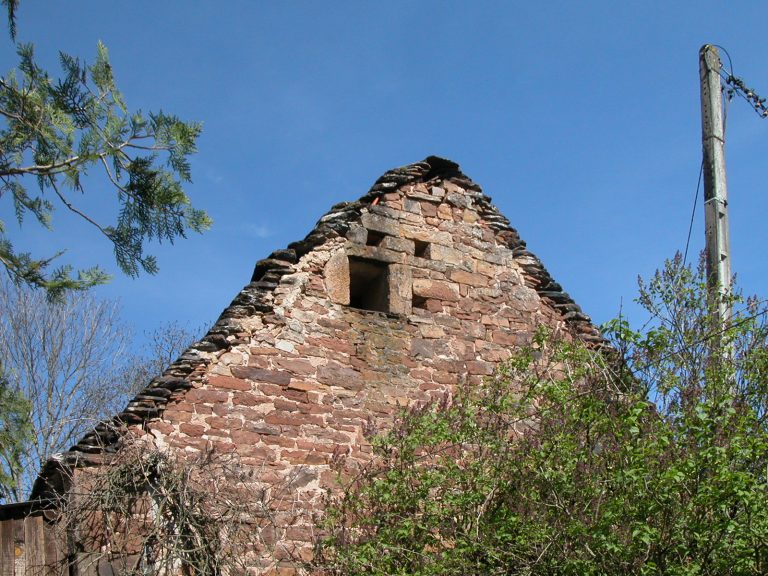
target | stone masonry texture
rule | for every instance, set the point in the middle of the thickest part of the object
(419, 286)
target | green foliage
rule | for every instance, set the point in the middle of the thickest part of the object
(57, 132)
(577, 461)
(11, 6)
(15, 433)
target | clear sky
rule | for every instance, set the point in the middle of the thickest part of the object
(580, 119)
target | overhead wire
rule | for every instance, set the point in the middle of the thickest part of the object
(737, 87)
(727, 55)
(693, 212)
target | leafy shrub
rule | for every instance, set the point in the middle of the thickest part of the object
(652, 460)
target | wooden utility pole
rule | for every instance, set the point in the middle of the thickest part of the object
(715, 187)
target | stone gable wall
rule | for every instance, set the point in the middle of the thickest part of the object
(293, 373)
(313, 374)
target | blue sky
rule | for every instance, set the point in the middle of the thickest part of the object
(580, 119)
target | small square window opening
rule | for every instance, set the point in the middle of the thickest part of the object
(369, 284)
(374, 238)
(419, 302)
(420, 248)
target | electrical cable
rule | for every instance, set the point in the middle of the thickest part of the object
(727, 55)
(736, 86)
(693, 212)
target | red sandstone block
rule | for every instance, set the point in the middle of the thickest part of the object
(352, 424)
(296, 366)
(221, 409)
(181, 407)
(317, 308)
(274, 390)
(479, 367)
(430, 388)
(473, 329)
(306, 351)
(249, 399)
(428, 210)
(260, 453)
(495, 354)
(429, 348)
(437, 289)
(302, 457)
(448, 321)
(279, 441)
(465, 315)
(163, 427)
(311, 446)
(421, 374)
(328, 434)
(300, 533)
(465, 350)
(455, 366)
(505, 337)
(336, 344)
(228, 383)
(260, 375)
(379, 408)
(286, 405)
(262, 428)
(434, 306)
(262, 362)
(212, 434)
(184, 443)
(269, 390)
(272, 474)
(356, 362)
(328, 477)
(338, 375)
(219, 423)
(326, 322)
(351, 414)
(201, 395)
(338, 357)
(224, 447)
(445, 378)
(487, 306)
(268, 535)
(314, 408)
(315, 285)
(467, 305)
(264, 351)
(178, 416)
(203, 409)
(303, 386)
(245, 437)
(195, 430)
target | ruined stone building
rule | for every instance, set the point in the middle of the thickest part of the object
(416, 287)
